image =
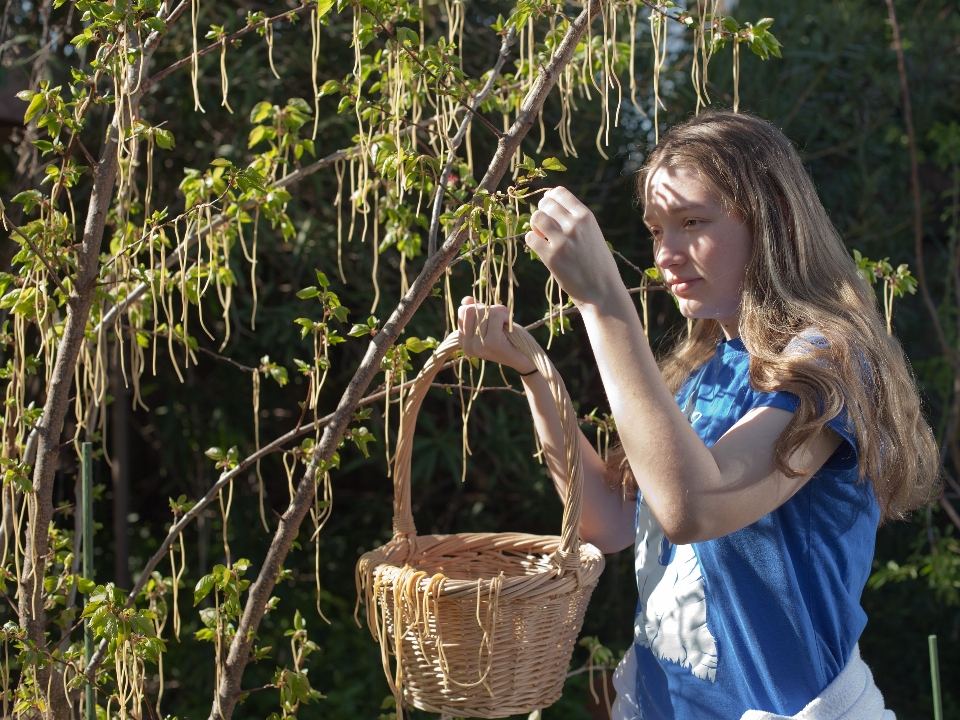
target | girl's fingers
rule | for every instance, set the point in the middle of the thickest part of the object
(467, 320)
(555, 209)
(545, 224)
(536, 242)
(494, 320)
(557, 212)
(564, 198)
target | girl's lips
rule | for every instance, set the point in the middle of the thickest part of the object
(682, 287)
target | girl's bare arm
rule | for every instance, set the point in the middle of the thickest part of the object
(607, 520)
(695, 493)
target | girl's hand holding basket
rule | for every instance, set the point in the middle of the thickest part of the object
(483, 334)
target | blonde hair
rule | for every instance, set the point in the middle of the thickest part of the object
(801, 282)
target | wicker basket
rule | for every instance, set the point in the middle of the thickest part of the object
(479, 624)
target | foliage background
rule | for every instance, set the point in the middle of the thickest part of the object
(835, 93)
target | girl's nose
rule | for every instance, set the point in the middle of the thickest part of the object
(666, 253)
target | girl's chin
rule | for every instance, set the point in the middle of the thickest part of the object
(693, 310)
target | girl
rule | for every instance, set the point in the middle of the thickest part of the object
(762, 452)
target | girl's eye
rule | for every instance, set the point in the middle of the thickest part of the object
(690, 222)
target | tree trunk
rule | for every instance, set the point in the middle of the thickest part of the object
(31, 595)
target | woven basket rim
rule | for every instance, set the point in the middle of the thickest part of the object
(591, 561)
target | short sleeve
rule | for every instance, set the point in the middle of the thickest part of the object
(845, 457)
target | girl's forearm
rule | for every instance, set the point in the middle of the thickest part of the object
(606, 521)
(665, 453)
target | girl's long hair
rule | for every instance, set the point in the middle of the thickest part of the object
(801, 283)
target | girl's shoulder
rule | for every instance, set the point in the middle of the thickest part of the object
(810, 340)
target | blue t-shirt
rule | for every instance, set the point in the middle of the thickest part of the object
(765, 617)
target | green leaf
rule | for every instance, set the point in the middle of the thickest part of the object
(408, 37)
(214, 453)
(36, 104)
(300, 687)
(279, 374)
(156, 24)
(362, 437)
(203, 588)
(730, 24)
(415, 345)
(322, 280)
(261, 111)
(221, 162)
(552, 163)
(308, 292)
(164, 139)
(300, 105)
(259, 133)
(254, 178)
(328, 88)
(28, 198)
(323, 7)
(90, 609)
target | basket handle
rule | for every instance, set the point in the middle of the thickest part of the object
(567, 555)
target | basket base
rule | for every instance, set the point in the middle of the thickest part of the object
(481, 648)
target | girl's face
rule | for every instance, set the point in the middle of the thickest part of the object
(702, 249)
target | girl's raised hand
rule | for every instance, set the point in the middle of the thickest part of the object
(482, 331)
(567, 238)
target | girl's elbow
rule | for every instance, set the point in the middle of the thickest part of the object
(681, 535)
(683, 527)
(609, 543)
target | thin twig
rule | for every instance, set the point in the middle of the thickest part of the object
(36, 251)
(489, 125)
(86, 153)
(183, 62)
(485, 388)
(588, 668)
(218, 221)
(216, 356)
(508, 40)
(921, 270)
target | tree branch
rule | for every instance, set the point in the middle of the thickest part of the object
(921, 271)
(508, 40)
(112, 315)
(473, 110)
(183, 62)
(36, 251)
(50, 426)
(259, 593)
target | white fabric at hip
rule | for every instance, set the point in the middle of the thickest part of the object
(851, 696)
